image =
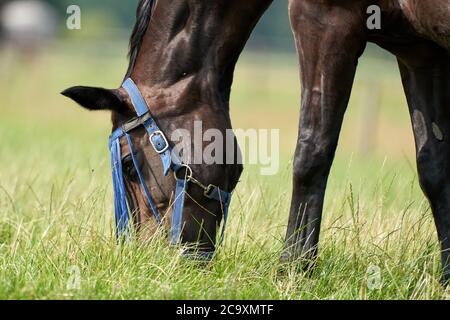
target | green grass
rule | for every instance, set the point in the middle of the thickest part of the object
(56, 211)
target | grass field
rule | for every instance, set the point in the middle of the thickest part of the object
(56, 210)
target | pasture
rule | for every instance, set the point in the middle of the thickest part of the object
(56, 201)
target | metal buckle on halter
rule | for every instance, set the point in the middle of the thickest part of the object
(187, 174)
(159, 149)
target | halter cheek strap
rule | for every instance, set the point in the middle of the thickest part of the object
(157, 137)
(162, 147)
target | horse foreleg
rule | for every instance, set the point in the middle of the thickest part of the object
(427, 86)
(329, 42)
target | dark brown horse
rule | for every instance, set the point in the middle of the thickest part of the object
(183, 54)
(331, 35)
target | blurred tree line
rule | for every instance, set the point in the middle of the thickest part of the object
(273, 31)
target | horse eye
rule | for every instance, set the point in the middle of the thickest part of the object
(128, 167)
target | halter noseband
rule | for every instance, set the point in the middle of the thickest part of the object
(169, 160)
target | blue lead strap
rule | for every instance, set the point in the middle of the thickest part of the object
(225, 218)
(224, 198)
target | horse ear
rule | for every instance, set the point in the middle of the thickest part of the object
(97, 98)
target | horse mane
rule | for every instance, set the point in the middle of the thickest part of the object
(143, 16)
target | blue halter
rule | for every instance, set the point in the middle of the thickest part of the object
(162, 147)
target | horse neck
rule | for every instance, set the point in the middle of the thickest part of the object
(195, 43)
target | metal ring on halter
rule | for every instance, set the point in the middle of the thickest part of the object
(188, 174)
